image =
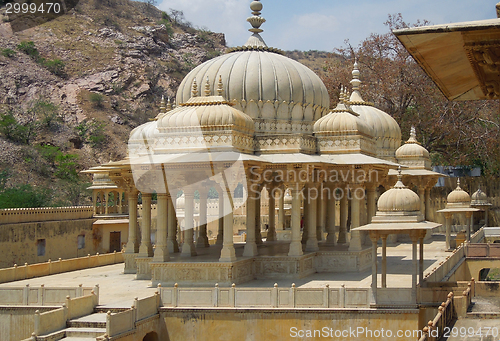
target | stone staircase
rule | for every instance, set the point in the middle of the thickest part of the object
(483, 318)
(85, 328)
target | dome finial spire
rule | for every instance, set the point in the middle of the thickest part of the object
(163, 108)
(207, 88)
(356, 82)
(194, 90)
(169, 105)
(413, 136)
(220, 86)
(256, 20)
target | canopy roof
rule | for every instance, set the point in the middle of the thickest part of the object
(460, 57)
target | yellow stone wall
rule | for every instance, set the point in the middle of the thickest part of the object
(18, 242)
(215, 325)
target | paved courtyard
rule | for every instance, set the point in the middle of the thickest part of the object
(118, 289)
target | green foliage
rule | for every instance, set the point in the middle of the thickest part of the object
(55, 66)
(15, 131)
(96, 99)
(24, 196)
(48, 112)
(66, 167)
(8, 53)
(91, 132)
(28, 47)
(49, 153)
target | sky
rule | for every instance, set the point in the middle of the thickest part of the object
(322, 24)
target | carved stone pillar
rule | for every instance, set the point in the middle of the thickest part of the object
(203, 237)
(421, 195)
(188, 249)
(312, 198)
(227, 253)
(295, 245)
(132, 244)
(271, 232)
(220, 232)
(355, 243)
(330, 218)
(281, 207)
(258, 235)
(447, 217)
(374, 238)
(161, 253)
(428, 204)
(250, 249)
(343, 218)
(371, 198)
(172, 244)
(146, 248)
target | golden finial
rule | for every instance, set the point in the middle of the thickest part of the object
(195, 89)
(207, 88)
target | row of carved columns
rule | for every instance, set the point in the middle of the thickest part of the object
(103, 197)
(319, 215)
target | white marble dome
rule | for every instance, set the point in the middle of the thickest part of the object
(386, 130)
(399, 199)
(479, 198)
(282, 95)
(412, 154)
(458, 198)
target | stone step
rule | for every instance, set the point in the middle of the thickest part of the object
(85, 332)
(78, 339)
(97, 320)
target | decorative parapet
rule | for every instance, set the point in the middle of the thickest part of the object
(18, 273)
(43, 296)
(276, 297)
(29, 215)
(125, 322)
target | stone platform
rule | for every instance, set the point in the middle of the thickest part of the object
(271, 263)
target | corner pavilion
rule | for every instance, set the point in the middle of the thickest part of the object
(257, 119)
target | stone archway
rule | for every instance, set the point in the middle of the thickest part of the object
(152, 336)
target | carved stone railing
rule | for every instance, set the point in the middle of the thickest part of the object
(275, 297)
(26, 271)
(42, 296)
(28, 215)
(444, 318)
(125, 322)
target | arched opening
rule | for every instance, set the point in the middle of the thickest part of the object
(151, 337)
(488, 274)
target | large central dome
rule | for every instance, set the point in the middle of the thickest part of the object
(280, 94)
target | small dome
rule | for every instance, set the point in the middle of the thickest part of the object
(412, 148)
(479, 198)
(342, 121)
(399, 199)
(386, 130)
(458, 197)
(180, 203)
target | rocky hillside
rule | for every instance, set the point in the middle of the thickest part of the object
(72, 89)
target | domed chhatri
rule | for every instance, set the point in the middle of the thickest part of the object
(399, 200)
(280, 94)
(479, 198)
(458, 198)
(386, 131)
(412, 153)
(343, 131)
